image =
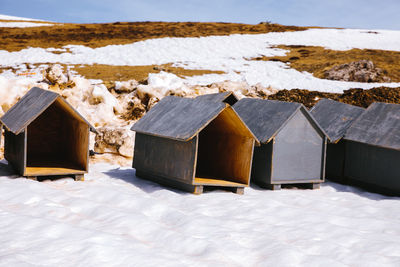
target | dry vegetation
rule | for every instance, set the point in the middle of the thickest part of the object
(98, 35)
(357, 97)
(109, 73)
(317, 60)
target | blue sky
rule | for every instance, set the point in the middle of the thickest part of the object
(367, 14)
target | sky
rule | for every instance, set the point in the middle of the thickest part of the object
(365, 14)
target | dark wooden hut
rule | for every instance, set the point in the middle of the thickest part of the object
(373, 149)
(335, 118)
(45, 136)
(292, 147)
(191, 143)
(226, 97)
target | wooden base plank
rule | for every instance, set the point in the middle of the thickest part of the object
(315, 186)
(217, 182)
(48, 171)
(34, 178)
(238, 190)
(79, 177)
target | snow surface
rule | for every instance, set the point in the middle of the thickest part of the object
(7, 17)
(116, 219)
(22, 24)
(230, 54)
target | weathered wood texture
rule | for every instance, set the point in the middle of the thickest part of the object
(335, 161)
(54, 138)
(335, 117)
(219, 155)
(227, 97)
(378, 125)
(178, 118)
(298, 151)
(15, 150)
(373, 167)
(262, 164)
(294, 144)
(164, 157)
(265, 117)
(30, 106)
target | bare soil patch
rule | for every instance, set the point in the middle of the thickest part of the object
(98, 35)
(356, 96)
(317, 60)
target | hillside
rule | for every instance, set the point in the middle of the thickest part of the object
(113, 73)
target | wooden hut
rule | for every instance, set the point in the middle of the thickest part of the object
(292, 147)
(45, 136)
(335, 118)
(373, 149)
(192, 143)
(226, 97)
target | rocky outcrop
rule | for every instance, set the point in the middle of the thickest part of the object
(358, 71)
(114, 140)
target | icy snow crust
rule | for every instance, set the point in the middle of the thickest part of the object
(227, 53)
(23, 24)
(116, 219)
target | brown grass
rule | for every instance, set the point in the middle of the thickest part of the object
(98, 35)
(109, 73)
(317, 60)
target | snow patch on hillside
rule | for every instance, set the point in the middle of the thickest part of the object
(22, 24)
(114, 218)
(7, 17)
(230, 54)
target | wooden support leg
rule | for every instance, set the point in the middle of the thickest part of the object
(275, 187)
(315, 186)
(34, 178)
(198, 189)
(238, 190)
(79, 177)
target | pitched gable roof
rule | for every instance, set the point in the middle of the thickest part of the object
(181, 118)
(227, 97)
(29, 107)
(178, 118)
(265, 118)
(335, 117)
(378, 125)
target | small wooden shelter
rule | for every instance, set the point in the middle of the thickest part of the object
(373, 149)
(335, 118)
(226, 97)
(192, 143)
(292, 147)
(45, 136)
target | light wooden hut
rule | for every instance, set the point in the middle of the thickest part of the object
(373, 149)
(45, 136)
(335, 118)
(192, 143)
(292, 147)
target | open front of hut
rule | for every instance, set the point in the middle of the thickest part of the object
(373, 149)
(292, 147)
(45, 136)
(192, 143)
(335, 118)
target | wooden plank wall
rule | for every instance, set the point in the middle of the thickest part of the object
(165, 157)
(15, 150)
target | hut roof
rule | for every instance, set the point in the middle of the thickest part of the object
(30, 106)
(227, 97)
(378, 125)
(181, 118)
(267, 117)
(335, 117)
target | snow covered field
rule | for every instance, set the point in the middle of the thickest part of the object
(230, 54)
(116, 219)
